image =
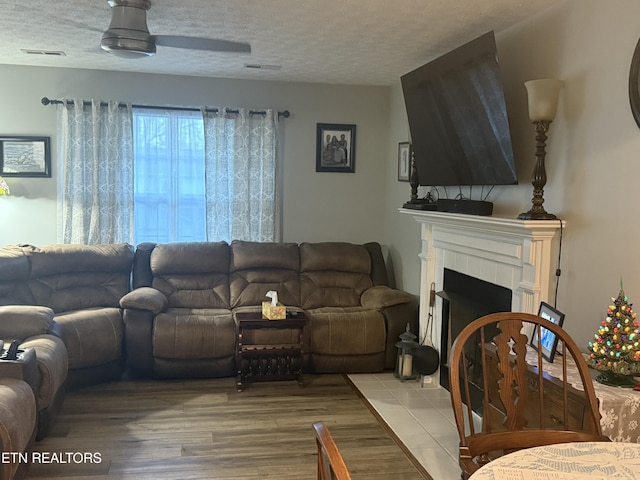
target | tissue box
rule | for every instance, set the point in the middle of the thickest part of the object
(278, 312)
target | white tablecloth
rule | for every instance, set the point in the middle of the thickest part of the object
(567, 461)
(619, 407)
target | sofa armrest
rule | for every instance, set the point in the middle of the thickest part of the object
(138, 331)
(381, 297)
(19, 322)
(145, 298)
(140, 308)
(399, 309)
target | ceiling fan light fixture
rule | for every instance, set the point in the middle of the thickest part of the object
(128, 35)
(143, 4)
(127, 47)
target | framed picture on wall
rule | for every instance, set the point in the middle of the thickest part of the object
(549, 340)
(404, 161)
(335, 148)
(22, 156)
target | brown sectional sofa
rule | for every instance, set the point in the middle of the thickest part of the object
(168, 311)
(179, 319)
(34, 328)
(83, 285)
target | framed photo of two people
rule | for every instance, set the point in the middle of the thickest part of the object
(335, 148)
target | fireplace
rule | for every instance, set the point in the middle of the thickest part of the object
(517, 255)
(465, 298)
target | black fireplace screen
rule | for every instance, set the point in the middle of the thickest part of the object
(465, 298)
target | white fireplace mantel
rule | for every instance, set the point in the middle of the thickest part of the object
(520, 255)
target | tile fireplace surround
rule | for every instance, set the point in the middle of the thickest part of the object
(520, 255)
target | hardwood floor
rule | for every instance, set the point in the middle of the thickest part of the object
(200, 429)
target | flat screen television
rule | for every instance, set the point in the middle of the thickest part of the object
(458, 118)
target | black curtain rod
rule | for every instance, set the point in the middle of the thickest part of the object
(46, 101)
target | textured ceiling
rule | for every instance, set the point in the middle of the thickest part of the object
(366, 42)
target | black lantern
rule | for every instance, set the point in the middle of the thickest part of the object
(404, 364)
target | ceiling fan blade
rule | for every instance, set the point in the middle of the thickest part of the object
(200, 43)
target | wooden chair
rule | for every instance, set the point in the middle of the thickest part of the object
(331, 466)
(488, 370)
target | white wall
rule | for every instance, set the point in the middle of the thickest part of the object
(592, 160)
(317, 206)
(402, 232)
(593, 153)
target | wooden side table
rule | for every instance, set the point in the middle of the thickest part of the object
(269, 361)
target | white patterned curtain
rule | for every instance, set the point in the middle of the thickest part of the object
(95, 172)
(240, 175)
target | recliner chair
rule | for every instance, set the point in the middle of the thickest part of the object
(35, 329)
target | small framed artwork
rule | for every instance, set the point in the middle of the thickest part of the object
(549, 340)
(22, 156)
(335, 148)
(404, 161)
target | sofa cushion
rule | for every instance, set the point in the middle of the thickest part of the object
(257, 268)
(347, 331)
(333, 274)
(249, 287)
(73, 277)
(18, 322)
(192, 274)
(15, 265)
(252, 255)
(15, 274)
(67, 258)
(336, 256)
(92, 336)
(194, 333)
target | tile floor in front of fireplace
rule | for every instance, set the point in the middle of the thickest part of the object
(421, 417)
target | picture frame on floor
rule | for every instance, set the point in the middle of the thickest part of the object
(25, 156)
(549, 340)
(335, 148)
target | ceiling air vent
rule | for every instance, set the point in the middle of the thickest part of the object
(52, 53)
(258, 66)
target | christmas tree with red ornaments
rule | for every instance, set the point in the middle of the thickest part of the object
(616, 349)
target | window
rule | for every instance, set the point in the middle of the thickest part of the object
(169, 176)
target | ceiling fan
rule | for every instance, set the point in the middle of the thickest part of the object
(128, 35)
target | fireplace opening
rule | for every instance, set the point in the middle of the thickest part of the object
(464, 299)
